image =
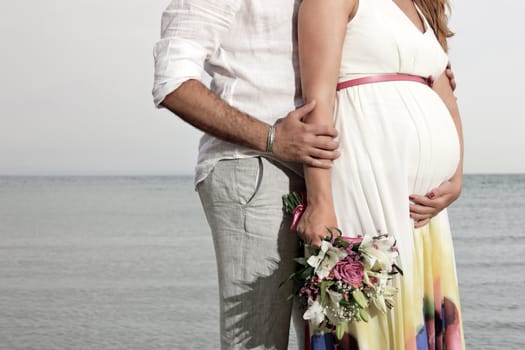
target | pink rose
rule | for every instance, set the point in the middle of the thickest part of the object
(350, 271)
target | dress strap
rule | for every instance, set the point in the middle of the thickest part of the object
(423, 18)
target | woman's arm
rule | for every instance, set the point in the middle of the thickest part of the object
(321, 28)
(426, 207)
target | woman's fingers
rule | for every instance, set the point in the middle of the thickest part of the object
(314, 237)
(438, 202)
(317, 236)
(421, 200)
(421, 223)
(316, 242)
(424, 208)
(419, 217)
(421, 209)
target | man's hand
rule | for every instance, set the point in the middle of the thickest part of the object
(450, 76)
(426, 207)
(296, 141)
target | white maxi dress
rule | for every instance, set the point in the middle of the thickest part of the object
(398, 138)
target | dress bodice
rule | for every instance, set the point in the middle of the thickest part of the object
(394, 45)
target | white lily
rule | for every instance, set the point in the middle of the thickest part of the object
(379, 302)
(326, 259)
(315, 313)
(333, 306)
(377, 252)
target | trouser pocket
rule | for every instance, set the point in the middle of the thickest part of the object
(232, 182)
(248, 179)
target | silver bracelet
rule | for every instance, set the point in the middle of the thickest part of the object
(270, 139)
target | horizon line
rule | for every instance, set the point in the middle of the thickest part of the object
(168, 174)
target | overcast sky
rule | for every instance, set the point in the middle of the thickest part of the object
(76, 77)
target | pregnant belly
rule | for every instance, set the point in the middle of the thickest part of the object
(397, 128)
(435, 148)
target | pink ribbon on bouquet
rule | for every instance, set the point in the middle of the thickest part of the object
(297, 213)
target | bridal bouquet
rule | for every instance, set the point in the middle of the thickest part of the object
(341, 280)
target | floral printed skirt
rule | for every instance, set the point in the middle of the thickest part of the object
(426, 315)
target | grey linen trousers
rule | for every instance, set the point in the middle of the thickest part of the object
(254, 248)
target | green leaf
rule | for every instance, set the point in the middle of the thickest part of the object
(284, 282)
(340, 330)
(291, 277)
(398, 269)
(339, 242)
(286, 204)
(331, 234)
(306, 272)
(301, 261)
(312, 250)
(344, 303)
(360, 298)
(364, 315)
(291, 201)
(296, 199)
(324, 286)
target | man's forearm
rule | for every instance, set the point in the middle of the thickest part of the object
(197, 105)
(294, 140)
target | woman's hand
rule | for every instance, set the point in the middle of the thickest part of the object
(312, 227)
(426, 207)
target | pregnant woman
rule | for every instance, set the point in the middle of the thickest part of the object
(376, 70)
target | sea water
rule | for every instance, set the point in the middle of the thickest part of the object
(128, 263)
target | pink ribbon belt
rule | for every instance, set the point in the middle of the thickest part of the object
(385, 77)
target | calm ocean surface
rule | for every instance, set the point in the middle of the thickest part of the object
(128, 263)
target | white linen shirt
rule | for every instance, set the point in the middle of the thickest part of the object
(248, 47)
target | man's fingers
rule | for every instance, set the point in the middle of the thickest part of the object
(324, 154)
(325, 142)
(318, 163)
(302, 111)
(450, 75)
(452, 81)
(310, 144)
(323, 130)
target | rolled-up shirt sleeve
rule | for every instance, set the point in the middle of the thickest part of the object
(190, 33)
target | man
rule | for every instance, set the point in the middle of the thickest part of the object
(246, 161)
